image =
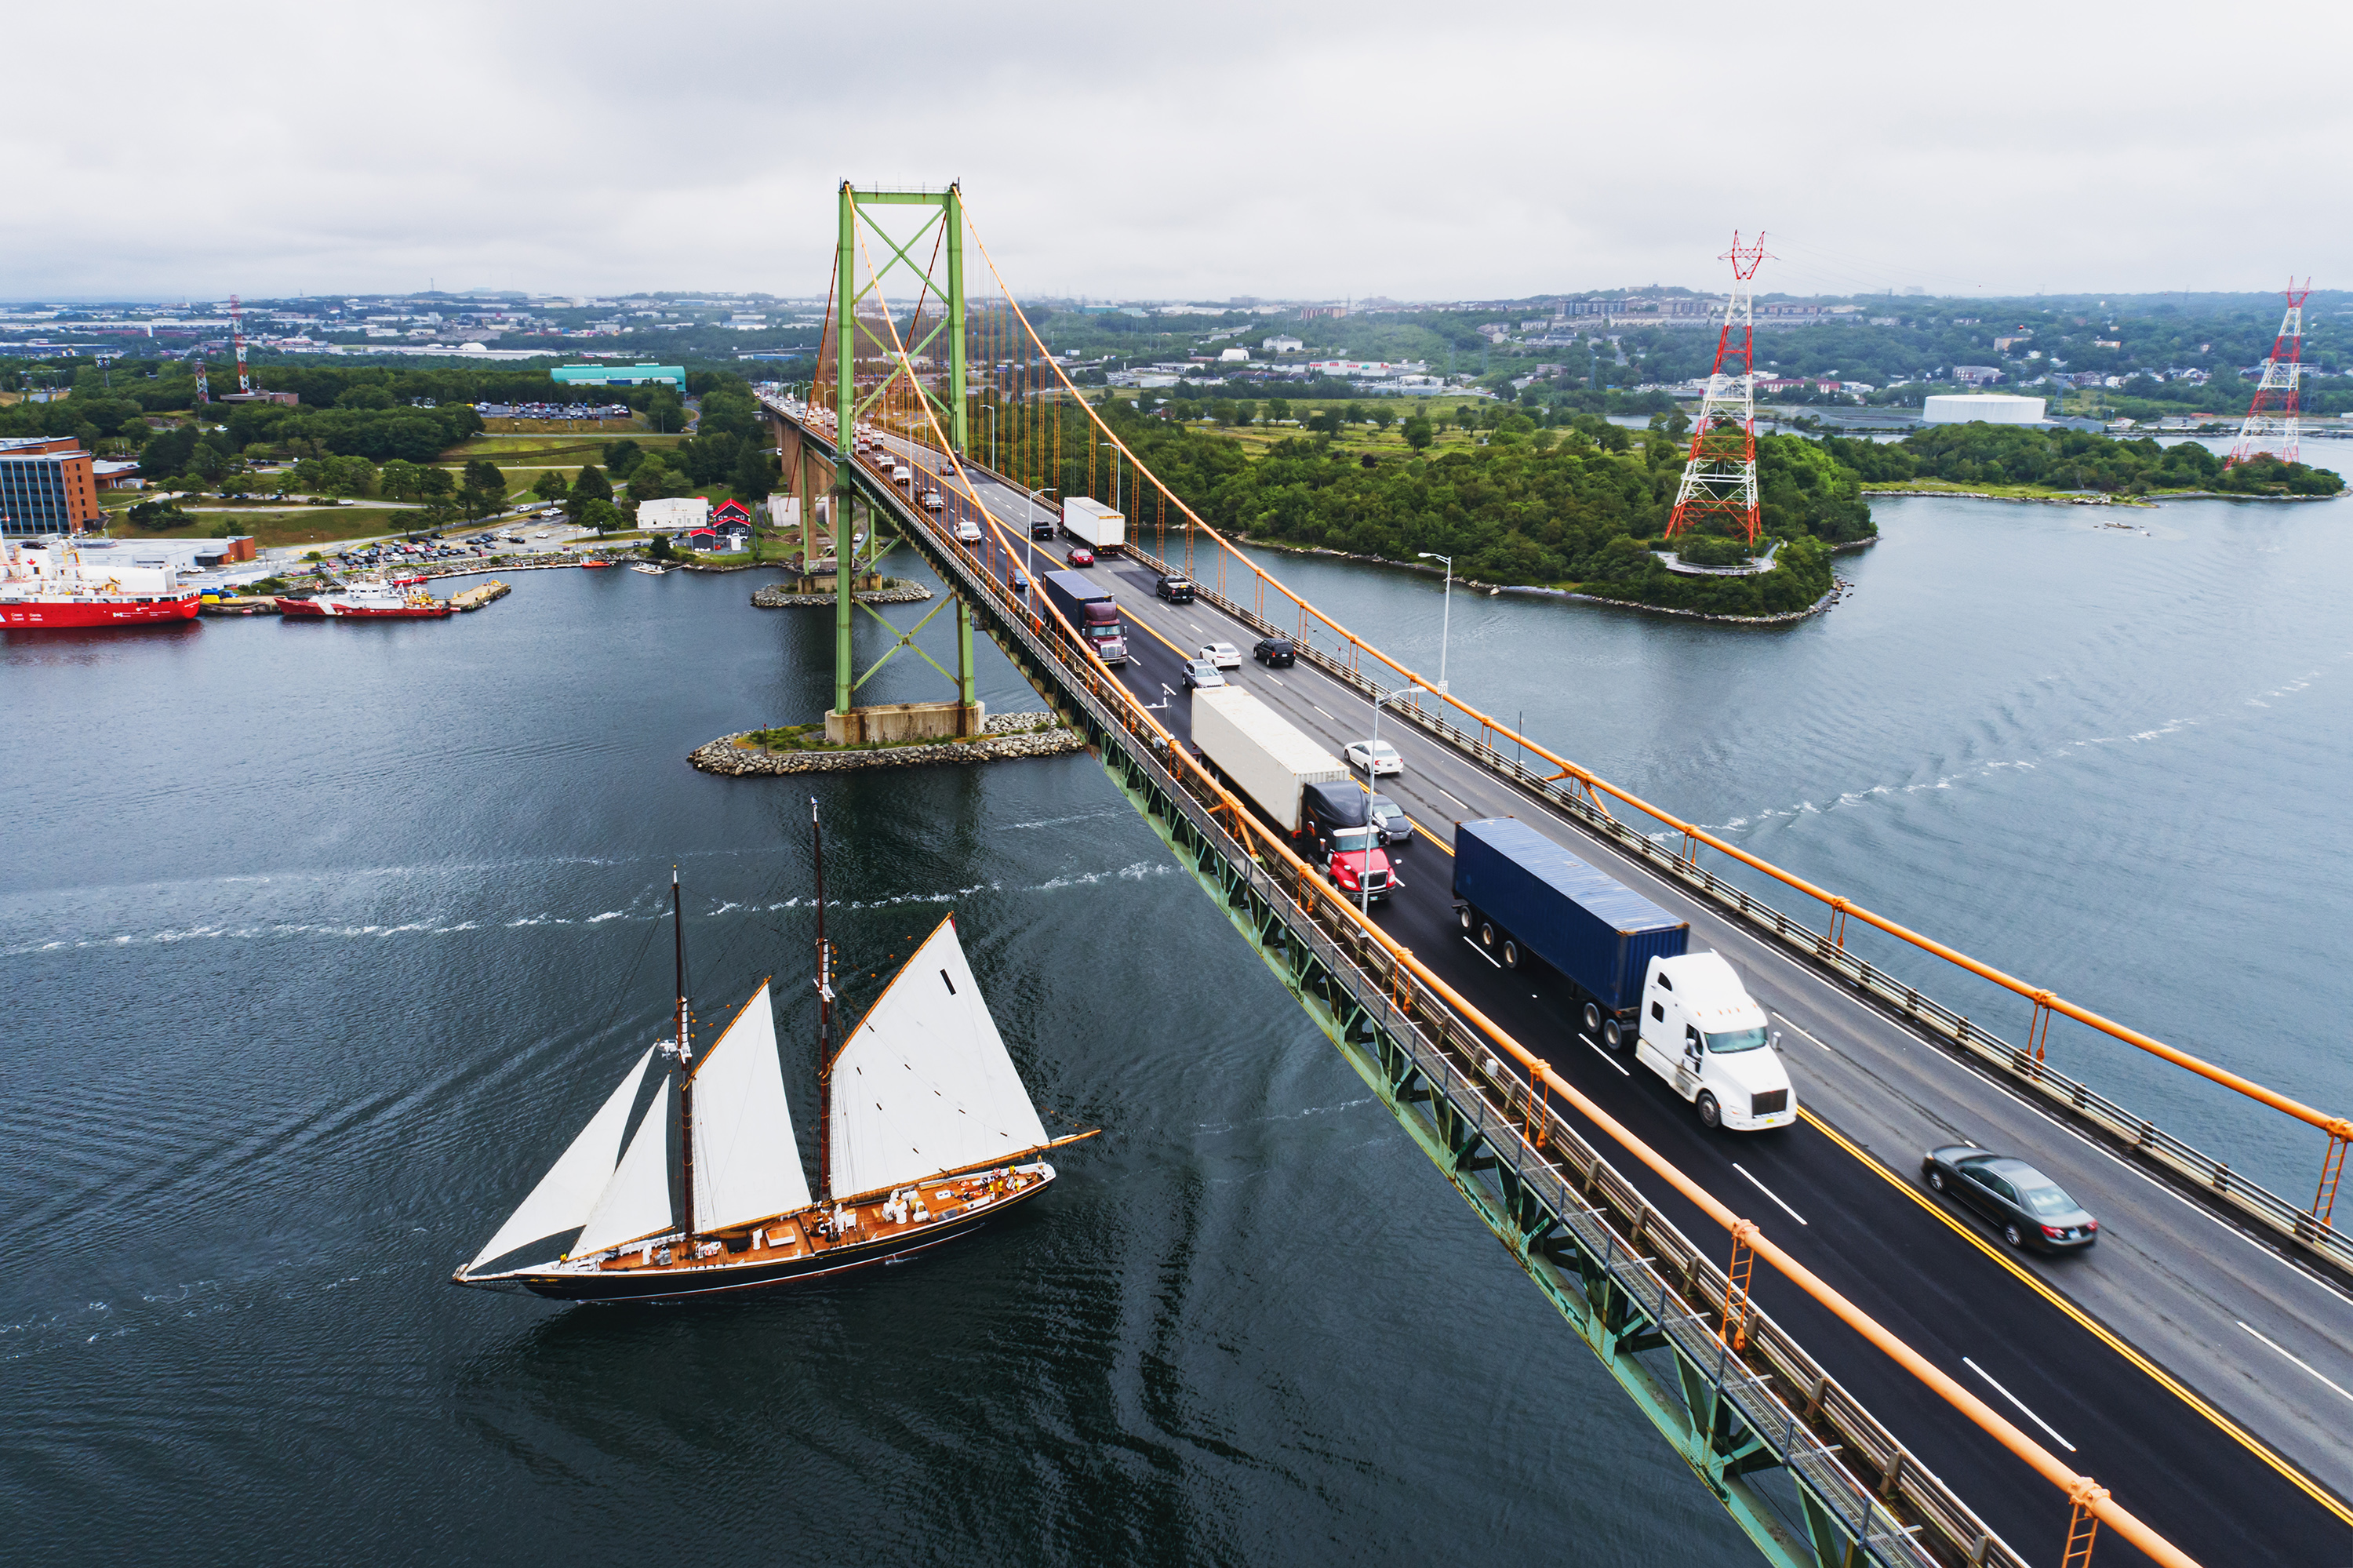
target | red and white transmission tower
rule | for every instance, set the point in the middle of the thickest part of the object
(237, 336)
(1720, 475)
(2272, 423)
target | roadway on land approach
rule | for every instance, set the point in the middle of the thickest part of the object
(2106, 1357)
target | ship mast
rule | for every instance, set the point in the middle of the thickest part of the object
(824, 1023)
(685, 1053)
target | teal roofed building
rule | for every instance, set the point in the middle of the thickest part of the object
(621, 376)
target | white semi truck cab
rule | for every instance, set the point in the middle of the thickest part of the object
(1703, 1035)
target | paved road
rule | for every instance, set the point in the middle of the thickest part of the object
(2104, 1351)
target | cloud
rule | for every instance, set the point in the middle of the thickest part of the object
(1205, 151)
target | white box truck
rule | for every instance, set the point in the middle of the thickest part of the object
(1260, 753)
(1094, 524)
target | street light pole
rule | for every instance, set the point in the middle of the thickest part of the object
(1372, 763)
(1446, 615)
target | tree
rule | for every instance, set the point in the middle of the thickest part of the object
(1245, 411)
(1382, 415)
(550, 486)
(591, 485)
(399, 480)
(1418, 433)
(755, 475)
(1277, 410)
(601, 515)
(1353, 414)
(364, 397)
(652, 480)
(622, 456)
(664, 414)
(484, 490)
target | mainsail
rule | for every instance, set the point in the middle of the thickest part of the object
(746, 1165)
(569, 1190)
(636, 1201)
(925, 1084)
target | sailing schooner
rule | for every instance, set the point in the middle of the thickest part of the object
(926, 1133)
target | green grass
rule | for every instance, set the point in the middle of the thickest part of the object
(2003, 492)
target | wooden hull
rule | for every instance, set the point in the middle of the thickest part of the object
(730, 1273)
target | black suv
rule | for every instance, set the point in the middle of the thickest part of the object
(1275, 652)
(1175, 589)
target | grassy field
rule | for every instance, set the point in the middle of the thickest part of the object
(277, 528)
(549, 450)
(609, 429)
(1999, 491)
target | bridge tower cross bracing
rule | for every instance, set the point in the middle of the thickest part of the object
(1719, 478)
(2274, 422)
(849, 404)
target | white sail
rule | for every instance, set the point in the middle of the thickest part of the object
(636, 1201)
(746, 1165)
(564, 1195)
(925, 1084)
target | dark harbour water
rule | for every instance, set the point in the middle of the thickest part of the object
(320, 942)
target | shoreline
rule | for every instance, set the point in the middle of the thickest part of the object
(1839, 586)
(2102, 499)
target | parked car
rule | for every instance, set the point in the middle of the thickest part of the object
(1391, 821)
(1224, 655)
(1274, 652)
(1174, 588)
(1375, 758)
(1081, 556)
(2026, 1206)
(1200, 674)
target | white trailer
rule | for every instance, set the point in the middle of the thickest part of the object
(1259, 752)
(1094, 524)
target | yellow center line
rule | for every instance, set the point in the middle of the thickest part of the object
(2099, 1331)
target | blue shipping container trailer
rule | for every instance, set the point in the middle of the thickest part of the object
(1524, 897)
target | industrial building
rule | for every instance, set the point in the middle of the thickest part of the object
(1991, 408)
(673, 513)
(46, 486)
(621, 376)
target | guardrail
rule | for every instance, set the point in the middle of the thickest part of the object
(1631, 1281)
(2212, 1179)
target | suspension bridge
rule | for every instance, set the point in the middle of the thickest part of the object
(1860, 1374)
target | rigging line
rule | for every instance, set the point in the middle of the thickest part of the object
(613, 1009)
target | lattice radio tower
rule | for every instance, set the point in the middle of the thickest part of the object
(237, 333)
(2271, 424)
(1720, 475)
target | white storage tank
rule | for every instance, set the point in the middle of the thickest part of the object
(1993, 407)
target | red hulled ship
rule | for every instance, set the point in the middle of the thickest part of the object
(369, 600)
(56, 589)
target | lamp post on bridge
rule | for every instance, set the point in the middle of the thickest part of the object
(1446, 615)
(1372, 776)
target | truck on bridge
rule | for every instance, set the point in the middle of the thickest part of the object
(1092, 612)
(1298, 786)
(1094, 524)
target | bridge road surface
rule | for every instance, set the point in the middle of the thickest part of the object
(2188, 1291)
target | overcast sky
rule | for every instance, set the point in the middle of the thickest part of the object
(1195, 151)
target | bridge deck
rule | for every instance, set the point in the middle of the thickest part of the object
(2106, 1350)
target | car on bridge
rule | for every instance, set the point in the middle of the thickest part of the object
(1081, 556)
(1396, 829)
(1374, 757)
(2027, 1207)
(1274, 652)
(1224, 655)
(1200, 675)
(1174, 587)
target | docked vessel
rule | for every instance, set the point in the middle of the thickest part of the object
(925, 1133)
(649, 567)
(59, 589)
(369, 600)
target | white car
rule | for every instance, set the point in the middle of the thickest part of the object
(1375, 757)
(1200, 674)
(1224, 655)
